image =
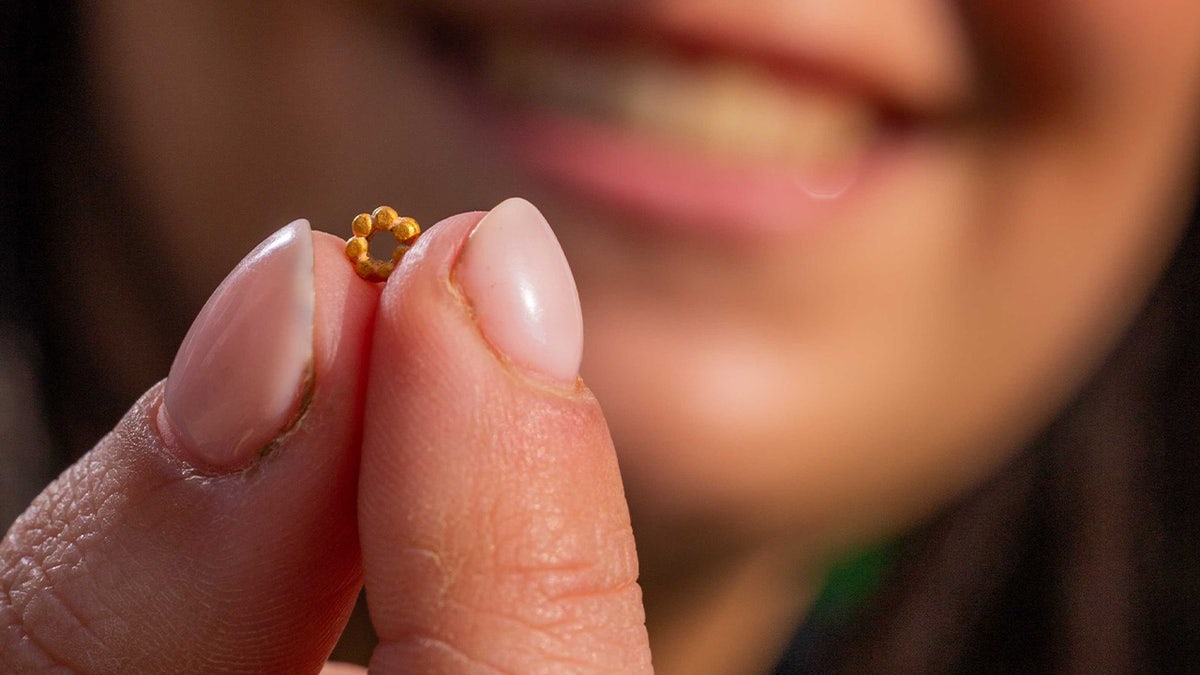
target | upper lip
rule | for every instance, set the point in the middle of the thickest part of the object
(874, 63)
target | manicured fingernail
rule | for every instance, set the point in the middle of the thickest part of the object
(238, 379)
(521, 290)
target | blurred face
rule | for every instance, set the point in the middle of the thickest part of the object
(837, 260)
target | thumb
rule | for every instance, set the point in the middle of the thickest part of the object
(213, 529)
(494, 526)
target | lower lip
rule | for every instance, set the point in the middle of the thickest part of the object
(681, 192)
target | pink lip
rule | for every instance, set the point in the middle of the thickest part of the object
(683, 192)
(676, 189)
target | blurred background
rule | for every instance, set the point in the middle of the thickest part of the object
(899, 298)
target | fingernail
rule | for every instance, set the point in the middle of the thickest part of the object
(521, 291)
(238, 379)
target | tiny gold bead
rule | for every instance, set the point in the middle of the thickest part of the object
(385, 218)
(362, 225)
(357, 248)
(365, 268)
(406, 230)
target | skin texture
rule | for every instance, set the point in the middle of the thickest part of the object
(515, 556)
(494, 525)
(135, 560)
(821, 391)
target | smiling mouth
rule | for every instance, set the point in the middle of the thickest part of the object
(721, 108)
(673, 128)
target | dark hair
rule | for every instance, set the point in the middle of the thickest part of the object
(1082, 555)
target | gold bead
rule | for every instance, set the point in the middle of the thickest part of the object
(370, 270)
(357, 248)
(362, 225)
(406, 230)
(385, 218)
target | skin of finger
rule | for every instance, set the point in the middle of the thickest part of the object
(494, 524)
(334, 668)
(133, 561)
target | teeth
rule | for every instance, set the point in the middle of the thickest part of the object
(723, 108)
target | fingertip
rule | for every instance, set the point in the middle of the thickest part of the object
(433, 255)
(345, 307)
(335, 274)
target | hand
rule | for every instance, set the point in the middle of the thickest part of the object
(488, 519)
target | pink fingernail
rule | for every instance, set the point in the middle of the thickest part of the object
(239, 377)
(522, 292)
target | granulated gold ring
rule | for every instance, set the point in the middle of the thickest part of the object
(367, 225)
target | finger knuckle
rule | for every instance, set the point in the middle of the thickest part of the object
(37, 626)
(41, 626)
(561, 564)
(420, 650)
(573, 595)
